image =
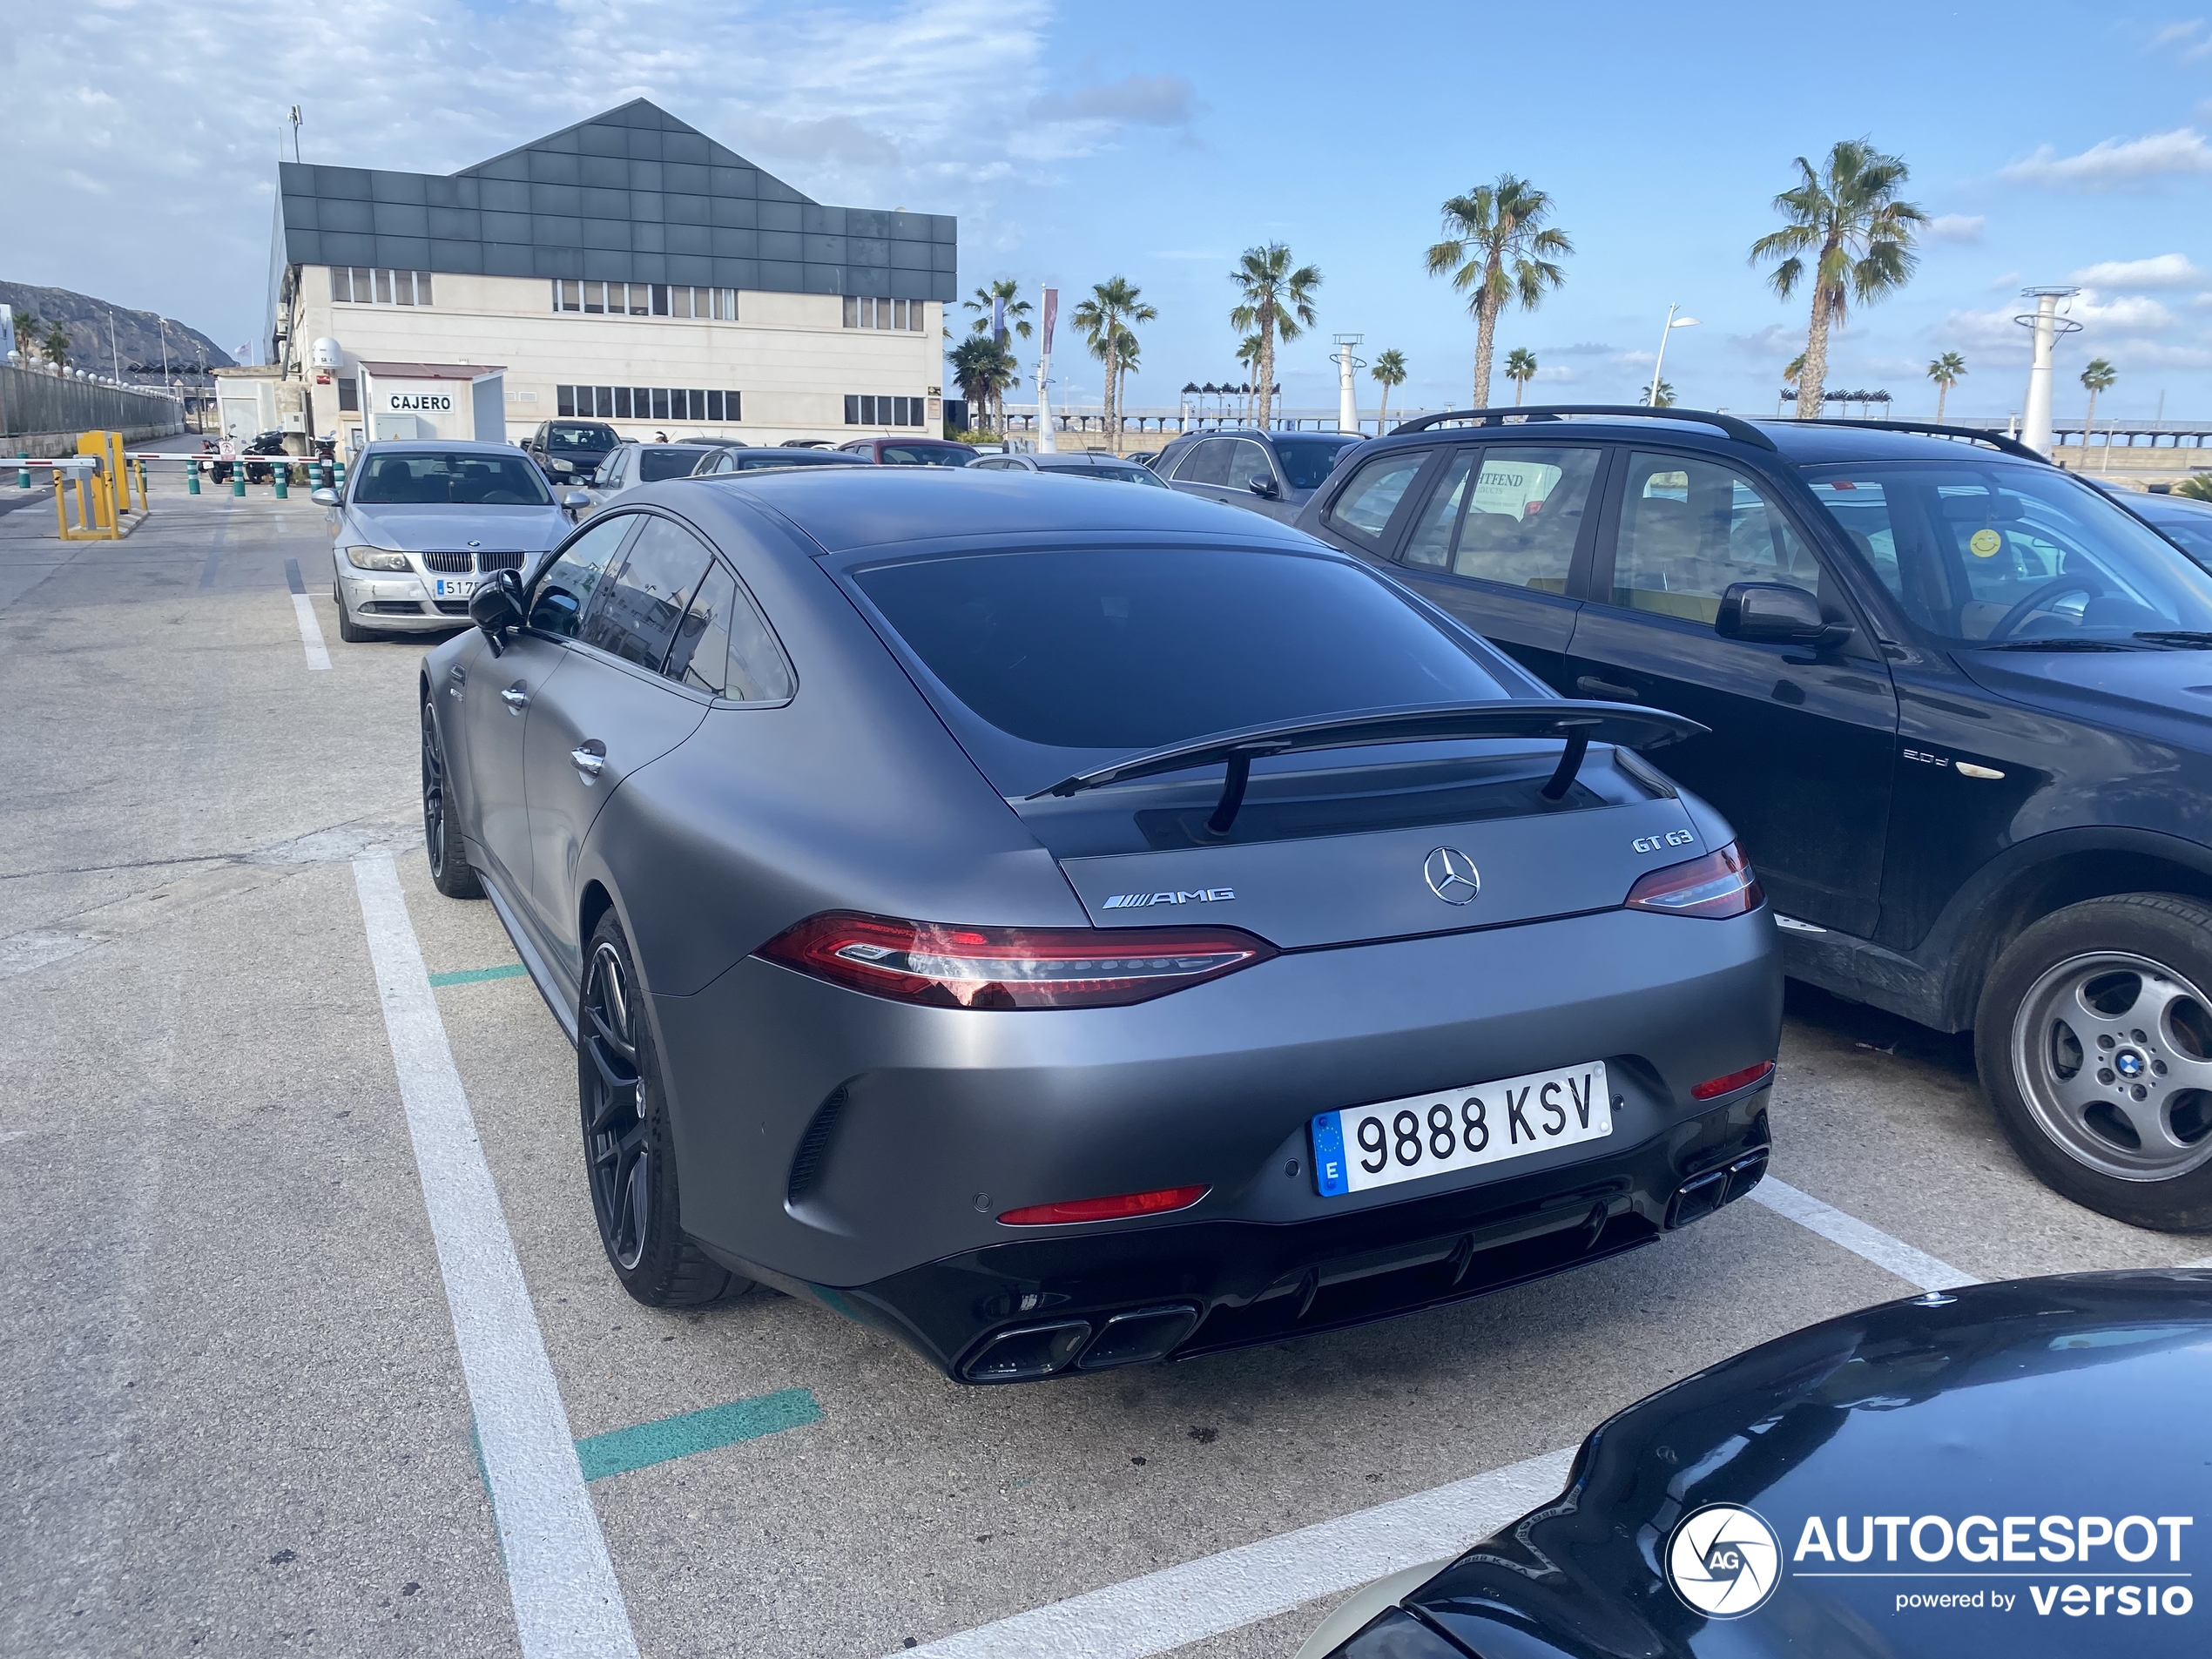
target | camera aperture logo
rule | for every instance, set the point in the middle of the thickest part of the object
(1724, 1561)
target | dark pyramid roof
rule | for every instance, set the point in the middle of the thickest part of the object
(630, 195)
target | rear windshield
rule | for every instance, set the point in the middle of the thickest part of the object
(420, 479)
(2194, 532)
(581, 437)
(1307, 461)
(653, 465)
(1134, 649)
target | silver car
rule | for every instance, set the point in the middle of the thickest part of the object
(419, 524)
(1083, 464)
(633, 463)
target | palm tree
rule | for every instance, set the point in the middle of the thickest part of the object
(982, 368)
(1016, 312)
(1494, 243)
(1947, 371)
(54, 347)
(1847, 213)
(1104, 318)
(1389, 371)
(2197, 487)
(1275, 302)
(2098, 377)
(1664, 401)
(1248, 354)
(1520, 368)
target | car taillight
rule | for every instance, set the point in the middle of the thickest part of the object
(945, 965)
(1713, 1088)
(1720, 884)
(1120, 1208)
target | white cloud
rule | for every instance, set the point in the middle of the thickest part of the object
(1956, 227)
(2164, 271)
(2131, 311)
(2010, 279)
(2177, 31)
(2116, 164)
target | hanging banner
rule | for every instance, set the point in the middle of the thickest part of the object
(1051, 315)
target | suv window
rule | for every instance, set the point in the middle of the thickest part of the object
(1517, 524)
(722, 645)
(565, 436)
(1248, 461)
(1307, 461)
(557, 605)
(1690, 528)
(1363, 510)
(1207, 464)
(653, 465)
(634, 616)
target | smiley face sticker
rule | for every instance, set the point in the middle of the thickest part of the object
(1983, 544)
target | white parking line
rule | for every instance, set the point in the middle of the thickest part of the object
(568, 1604)
(1178, 1605)
(1894, 1255)
(310, 632)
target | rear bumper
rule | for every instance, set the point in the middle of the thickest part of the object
(1018, 1312)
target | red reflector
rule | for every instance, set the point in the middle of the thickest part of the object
(942, 964)
(1129, 1204)
(1720, 884)
(1713, 1088)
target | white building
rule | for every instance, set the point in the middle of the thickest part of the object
(627, 268)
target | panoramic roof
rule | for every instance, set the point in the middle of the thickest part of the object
(633, 195)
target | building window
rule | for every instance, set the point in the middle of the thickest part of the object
(360, 286)
(863, 410)
(862, 311)
(645, 300)
(690, 403)
(349, 396)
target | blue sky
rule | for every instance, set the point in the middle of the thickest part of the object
(2054, 143)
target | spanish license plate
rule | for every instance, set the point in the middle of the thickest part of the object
(446, 587)
(1363, 1147)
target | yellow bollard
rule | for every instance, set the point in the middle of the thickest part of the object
(61, 511)
(142, 483)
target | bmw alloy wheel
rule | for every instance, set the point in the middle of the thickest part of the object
(617, 1138)
(2112, 1054)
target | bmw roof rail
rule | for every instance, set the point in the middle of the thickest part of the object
(1995, 440)
(1743, 431)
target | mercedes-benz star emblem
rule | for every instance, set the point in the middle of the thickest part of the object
(1452, 875)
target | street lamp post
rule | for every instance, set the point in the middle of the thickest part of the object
(1673, 323)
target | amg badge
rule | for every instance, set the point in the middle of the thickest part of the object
(1203, 895)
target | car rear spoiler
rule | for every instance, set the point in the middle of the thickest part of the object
(1578, 723)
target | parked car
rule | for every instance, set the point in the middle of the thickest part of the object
(570, 451)
(1274, 473)
(1956, 717)
(631, 463)
(1082, 463)
(749, 458)
(419, 524)
(910, 452)
(1872, 1485)
(2188, 523)
(1041, 923)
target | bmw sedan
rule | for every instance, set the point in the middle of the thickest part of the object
(1068, 928)
(418, 525)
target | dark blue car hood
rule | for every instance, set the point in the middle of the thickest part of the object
(1993, 1418)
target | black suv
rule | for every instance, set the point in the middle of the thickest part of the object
(1274, 473)
(1961, 714)
(568, 452)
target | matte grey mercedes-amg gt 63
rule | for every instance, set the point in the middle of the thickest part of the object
(1065, 929)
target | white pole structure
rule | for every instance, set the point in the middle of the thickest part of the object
(2035, 426)
(1347, 389)
(1047, 444)
(1673, 323)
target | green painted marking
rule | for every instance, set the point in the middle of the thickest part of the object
(471, 976)
(641, 1447)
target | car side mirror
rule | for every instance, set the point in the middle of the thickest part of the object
(497, 608)
(1777, 613)
(1260, 484)
(323, 498)
(573, 499)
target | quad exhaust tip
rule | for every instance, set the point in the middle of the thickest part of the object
(1700, 1195)
(1029, 1351)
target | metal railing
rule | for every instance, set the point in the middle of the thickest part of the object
(39, 400)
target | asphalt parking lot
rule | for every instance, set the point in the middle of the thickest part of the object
(242, 1420)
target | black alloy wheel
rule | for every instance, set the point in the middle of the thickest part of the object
(450, 871)
(2094, 1040)
(629, 1157)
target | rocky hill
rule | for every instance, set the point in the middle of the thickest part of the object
(137, 333)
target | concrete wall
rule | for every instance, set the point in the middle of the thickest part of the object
(35, 403)
(2138, 465)
(789, 355)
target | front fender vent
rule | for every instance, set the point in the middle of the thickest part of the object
(812, 1156)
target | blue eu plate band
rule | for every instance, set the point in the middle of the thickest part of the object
(1328, 1155)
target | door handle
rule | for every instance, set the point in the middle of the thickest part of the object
(516, 696)
(1591, 686)
(590, 763)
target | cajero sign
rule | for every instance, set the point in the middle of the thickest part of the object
(414, 398)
